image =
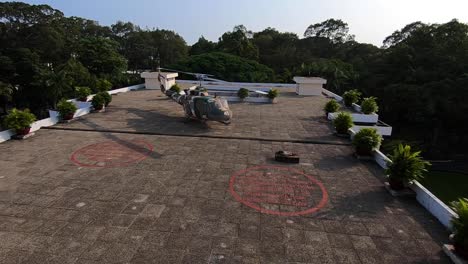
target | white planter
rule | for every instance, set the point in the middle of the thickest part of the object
(381, 130)
(359, 118)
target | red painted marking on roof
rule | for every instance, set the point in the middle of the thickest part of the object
(112, 154)
(262, 187)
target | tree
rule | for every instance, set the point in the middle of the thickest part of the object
(277, 50)
(227, 67)
(334, 29)
(202, 46)
(238, 42)
(101, 57)
(6, 90)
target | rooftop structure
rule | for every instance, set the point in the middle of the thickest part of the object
(140, 184)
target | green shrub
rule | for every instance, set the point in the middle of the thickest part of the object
(366, 140)
(273, 93)
(460, 226)
(107, 97)
(176, 88)
(82, 93)
(18, 119)
(342, 122)
(66, 108)
(351, 96)
(406, 166)
(243, 93)
(103, 85)
(369, 105)
(98, 102)
(331, 106)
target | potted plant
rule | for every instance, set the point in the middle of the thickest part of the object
(350, 97)
(20, 121)
(272, 94)
(82, 93)
(98, 102)
(460, 227)
(103, 85)
(331, 106)
(243, 93)
(66, 109)
(366, 140)
(405, 167)
(369, 105)
(107, 97)
(342, 122)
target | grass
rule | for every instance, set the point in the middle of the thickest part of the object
(447, 186)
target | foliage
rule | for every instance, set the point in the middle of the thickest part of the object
(334, 29)
(98, 101)
(100, 55)
(18, 119)
(65, 108)
(176, 88)
(82, 93)
(339, 75)
(103, 85)
(239, 43)
(226, 67)
(202, 46)
(243, 93)
(342, 122)
(6, 91)
(273, 93)
(351, 97)
(406, 165)
(369, 105)
(331, 106)
(460, 224)
(107, 97)
(367, 138)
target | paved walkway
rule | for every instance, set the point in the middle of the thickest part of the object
(90, 197)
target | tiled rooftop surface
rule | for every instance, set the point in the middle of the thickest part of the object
(174, 206)
(295, 118)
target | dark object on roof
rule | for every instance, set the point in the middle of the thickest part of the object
(286, 156)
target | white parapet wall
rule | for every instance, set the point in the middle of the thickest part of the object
(234, 86)
(333, 95)
(428, 200)
(247, 100)
(84, 108)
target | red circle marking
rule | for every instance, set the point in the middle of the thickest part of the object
(112, 154)
(288, 191)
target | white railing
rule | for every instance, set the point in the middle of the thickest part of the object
(84, 108)
(331, 94)
(234, 86)
(427, 199)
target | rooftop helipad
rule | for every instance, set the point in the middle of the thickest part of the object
(202, 193)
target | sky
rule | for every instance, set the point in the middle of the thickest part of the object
(369, 20)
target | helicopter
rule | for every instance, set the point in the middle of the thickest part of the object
(197, 103)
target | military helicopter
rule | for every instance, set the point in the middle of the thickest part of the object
(197, 103)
